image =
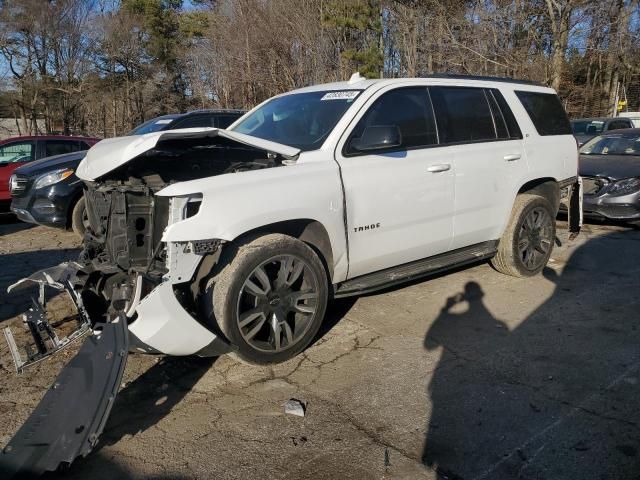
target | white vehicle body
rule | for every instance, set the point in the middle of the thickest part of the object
(376, 211)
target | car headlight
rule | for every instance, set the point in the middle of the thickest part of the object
(52, 177)
(624, 187)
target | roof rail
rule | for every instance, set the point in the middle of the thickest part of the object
(483, 77)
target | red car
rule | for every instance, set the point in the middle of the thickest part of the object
(17, 151)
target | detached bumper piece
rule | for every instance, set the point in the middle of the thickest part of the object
(73, 412)
(68, 421)
(46, 340)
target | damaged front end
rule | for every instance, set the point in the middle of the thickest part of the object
(133, 291)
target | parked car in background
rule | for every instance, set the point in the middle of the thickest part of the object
(17, 151)
(48, 192)
(585, 129)
(215, 118)
(610, 170)
(633, 116)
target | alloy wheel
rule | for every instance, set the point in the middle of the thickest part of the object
(278, 303)
(535, 238)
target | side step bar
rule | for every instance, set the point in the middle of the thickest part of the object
(72, 414)
(418, 269)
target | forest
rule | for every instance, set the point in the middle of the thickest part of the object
(100, 67)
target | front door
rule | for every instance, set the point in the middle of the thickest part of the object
(399, 201)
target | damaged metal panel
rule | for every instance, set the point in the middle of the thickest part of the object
(68, 421)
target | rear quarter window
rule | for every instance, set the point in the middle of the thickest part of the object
(546, 113)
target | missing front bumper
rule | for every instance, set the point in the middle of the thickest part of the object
(68, 421)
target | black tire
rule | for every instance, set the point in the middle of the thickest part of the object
(78, 217)
(237, 294)
(511, 259)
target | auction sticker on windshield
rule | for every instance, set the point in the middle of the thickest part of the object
(342, 95)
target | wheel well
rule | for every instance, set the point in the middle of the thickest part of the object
(309, 231)
(545, 187)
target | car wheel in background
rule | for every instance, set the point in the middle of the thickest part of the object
(527, 242)
(79, 218)
(269, 297)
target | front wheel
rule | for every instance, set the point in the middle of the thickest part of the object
(270, 297)
(526, 245)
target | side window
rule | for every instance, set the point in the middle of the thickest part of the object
(407, 108)
(507, 114)
(463, 114)
(617, 124)
(17, 152)
(546, 113)
(83, 146)
(223, 121)
(58, 147)
(193, 121)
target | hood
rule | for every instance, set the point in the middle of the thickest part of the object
(107, 155)
(615, 167)
(44, 165)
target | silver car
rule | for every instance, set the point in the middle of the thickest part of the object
(610, 169)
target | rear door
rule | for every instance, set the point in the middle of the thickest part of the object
(485, 143)
(399, 202)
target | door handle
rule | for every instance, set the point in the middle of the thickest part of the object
(512, 157)
(442, 167)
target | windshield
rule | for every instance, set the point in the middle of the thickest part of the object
(301, 120)
(153, 125)
(587, 127)
(612, 145)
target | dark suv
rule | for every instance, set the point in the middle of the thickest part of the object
(47, 192)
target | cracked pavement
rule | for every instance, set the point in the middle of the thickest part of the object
(469, 375)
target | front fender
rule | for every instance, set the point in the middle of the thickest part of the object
(234, 204)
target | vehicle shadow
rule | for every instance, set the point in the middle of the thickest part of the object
(557, 396)
(10, 224)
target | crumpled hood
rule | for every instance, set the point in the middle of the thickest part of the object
(107, 155)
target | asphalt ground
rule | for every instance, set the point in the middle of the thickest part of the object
(469, 375)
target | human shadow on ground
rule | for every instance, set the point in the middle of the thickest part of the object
(556, 397)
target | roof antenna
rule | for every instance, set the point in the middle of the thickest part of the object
(355, 78)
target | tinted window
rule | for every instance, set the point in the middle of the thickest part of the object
(463, 114)
(546, 113)
(223, 121)
(407, 108)
(501, 125)
(617, 124)
(153, 125)
(58, 147)
(193, 121)
(16, 152)
(587, 127)
(507, 114)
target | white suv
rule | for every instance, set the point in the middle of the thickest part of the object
(213, 241)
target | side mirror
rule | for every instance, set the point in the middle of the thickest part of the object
(378, 137)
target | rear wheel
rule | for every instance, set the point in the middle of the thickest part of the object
(526, 245)
(270, 297)
(79, 217)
